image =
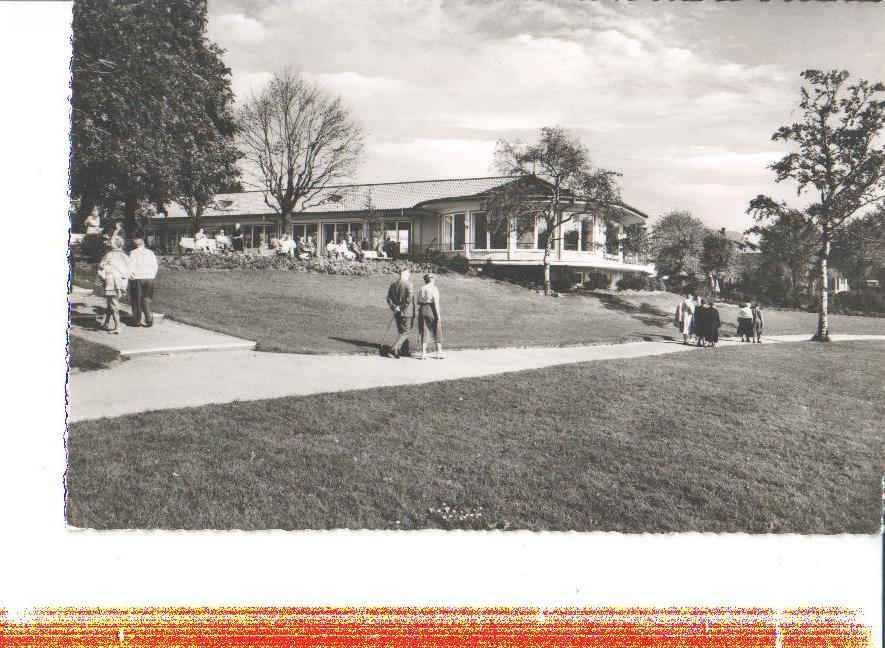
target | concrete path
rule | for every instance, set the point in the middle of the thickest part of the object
(165, 336)
(189, 380)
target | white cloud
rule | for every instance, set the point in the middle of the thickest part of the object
(733, 162)
(435, 83)
(235, 29)
(249, 83)
(431, 158)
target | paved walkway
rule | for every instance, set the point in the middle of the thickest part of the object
(188, 380)
(165, 336)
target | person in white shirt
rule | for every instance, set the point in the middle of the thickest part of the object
(93, 223)
(222, 241)
(684, 316)
(429, 320)
(344, 251)
(143, 263)
(201, 241)
(745, 322)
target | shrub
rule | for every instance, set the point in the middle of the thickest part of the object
(459, 263)
(858, 302)
(93, 247)
(639, 281)
(325, 265)
(597, 280)
(562, 282)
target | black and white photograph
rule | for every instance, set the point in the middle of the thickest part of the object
(476, 265)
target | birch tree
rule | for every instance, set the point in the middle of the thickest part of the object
(299, 141)
(839, 161)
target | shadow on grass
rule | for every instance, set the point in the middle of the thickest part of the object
(363, 344)
(656, 337)
(646, 313)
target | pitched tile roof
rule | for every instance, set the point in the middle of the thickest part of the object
(733, 236)
(351, 198)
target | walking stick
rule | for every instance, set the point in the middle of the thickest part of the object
(383, 348)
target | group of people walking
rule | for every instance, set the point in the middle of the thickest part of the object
(119, 273)
(405, 303)
(699, 319)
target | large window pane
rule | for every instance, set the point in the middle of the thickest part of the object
(498, 233)
(459, 227)
(542, 236)
(480, 231)
(570, 235)
(587, 235)
(405, 236)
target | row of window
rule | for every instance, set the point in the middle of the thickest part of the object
(400, 232)
(586, 235)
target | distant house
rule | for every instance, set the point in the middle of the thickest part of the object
(441, 216)
(741, 242)
(836, 281)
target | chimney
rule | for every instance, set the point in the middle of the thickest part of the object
(722, 231)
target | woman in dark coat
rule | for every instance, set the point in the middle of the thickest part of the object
(713, 323)
(700, 322)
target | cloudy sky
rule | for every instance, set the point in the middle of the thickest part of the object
(680, 97)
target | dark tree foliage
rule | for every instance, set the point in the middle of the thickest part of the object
(635, 240)
(859, 247)
(152, 106)
(719, 255)
(787, 248)
(676, 243)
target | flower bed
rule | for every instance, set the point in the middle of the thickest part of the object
(323, 265)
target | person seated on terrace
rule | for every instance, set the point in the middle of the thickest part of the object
(344, 250)
(354, 247)
(365, 245)
(201, 241)
(223, 241)
(378, 246)
(286, 245)
(332, 248)
(391, 248)
(310, 247)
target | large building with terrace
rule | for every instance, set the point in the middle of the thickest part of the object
(446, 217)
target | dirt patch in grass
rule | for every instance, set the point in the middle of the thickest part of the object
(88, 356)
(787, 438)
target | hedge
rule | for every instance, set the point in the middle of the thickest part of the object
(323, 265)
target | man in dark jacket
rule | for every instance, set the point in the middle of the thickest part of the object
(238, 238)
(401, 300)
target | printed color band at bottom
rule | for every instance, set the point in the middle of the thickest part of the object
(224, 627)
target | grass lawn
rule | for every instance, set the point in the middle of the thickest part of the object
(86, 355)
(304, 312)
(786, 438)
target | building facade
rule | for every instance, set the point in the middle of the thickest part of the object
(443, 217)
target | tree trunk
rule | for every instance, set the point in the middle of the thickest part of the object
(823, 326)
(130, 207)
(197, 218)
(547, 283)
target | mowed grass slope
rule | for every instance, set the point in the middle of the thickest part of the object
(786, 438)
(304, 312)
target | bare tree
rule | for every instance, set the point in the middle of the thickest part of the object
(562, 164)
(839, 157)
(299, 140)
